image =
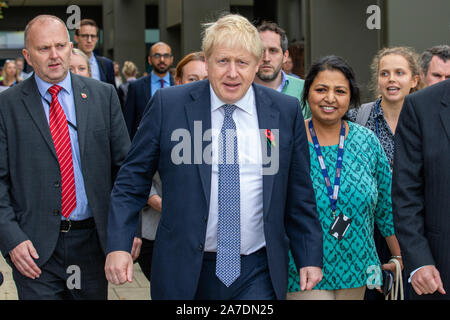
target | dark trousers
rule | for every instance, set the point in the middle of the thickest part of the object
(254, 283)
(145, 257)
(75, 271)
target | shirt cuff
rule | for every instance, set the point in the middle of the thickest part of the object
(412, 273)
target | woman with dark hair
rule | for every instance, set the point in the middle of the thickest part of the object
(352, 183)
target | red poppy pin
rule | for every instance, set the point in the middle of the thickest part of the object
(270, 138)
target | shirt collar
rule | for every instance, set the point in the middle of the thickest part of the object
(245, 103)
(284, 81)
(43, 86)
(156, 78)
(92, 59)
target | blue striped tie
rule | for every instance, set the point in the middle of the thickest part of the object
(228, 261)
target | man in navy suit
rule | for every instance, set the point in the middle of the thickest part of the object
(86, 37)
(234, 164)
(140, 91)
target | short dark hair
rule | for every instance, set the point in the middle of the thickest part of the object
(442, 51)
(86, 22)
(332, 62)
(272, 26)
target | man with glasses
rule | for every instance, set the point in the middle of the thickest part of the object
(86, 37)
(140, 91)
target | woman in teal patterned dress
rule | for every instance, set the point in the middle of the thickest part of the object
(360, 196)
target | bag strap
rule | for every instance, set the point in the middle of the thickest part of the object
(398, 283)
(363, 114)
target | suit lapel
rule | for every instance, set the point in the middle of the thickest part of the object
(81, 99)
(445, 110)
(101, 68)
(33, 104)
(199, 109)
(147, 89)
(268, 118)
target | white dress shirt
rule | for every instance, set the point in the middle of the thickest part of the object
(250, 173)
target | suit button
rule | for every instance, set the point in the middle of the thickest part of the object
(56, 184)
(205, 219)
(200, 247)
(56, 212)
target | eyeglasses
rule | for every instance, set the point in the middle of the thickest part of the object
(87, 36)
(159, 56)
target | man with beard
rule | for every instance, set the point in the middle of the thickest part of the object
(140, 91)
(270, 73)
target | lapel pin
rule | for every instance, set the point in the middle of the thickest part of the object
(83, 95)
(270, 138)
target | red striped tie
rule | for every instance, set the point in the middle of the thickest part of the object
(60, 134)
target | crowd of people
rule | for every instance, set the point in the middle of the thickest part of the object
(88, 177)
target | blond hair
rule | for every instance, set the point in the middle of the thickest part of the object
(406, 52)
(80, 53)
(129, 69)
(233, 31)
(16, 77)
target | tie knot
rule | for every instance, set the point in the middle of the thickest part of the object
(54, 90)
(229, 109)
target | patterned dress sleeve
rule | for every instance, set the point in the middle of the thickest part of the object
(383, 210)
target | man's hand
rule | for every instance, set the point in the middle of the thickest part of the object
(136, 249)
(119, 267)
(427, 280)
(309, 277)
(22, 256)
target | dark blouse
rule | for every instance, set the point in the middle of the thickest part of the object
(380, 127)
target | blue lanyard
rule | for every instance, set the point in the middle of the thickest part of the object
(332, 192)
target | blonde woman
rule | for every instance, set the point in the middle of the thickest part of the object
(9, 75)
(79, 63)
(129, 71)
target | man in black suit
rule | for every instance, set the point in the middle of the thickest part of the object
(420, 187)
(140, 91)
(62, 139)
(86, 37)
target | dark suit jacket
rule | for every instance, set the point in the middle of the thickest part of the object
(138, 96)
(30, 196)
(421, 181)
(106, 68)
(288, 198)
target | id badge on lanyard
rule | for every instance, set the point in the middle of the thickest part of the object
(341, 223)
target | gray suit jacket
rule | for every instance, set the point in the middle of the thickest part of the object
(30, 193)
